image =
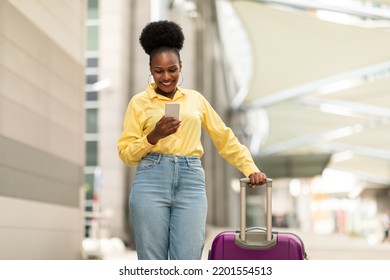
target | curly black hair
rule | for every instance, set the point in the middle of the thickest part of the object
(161, 34)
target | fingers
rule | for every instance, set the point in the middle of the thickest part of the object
(257, 178)
(167, 126)
(171, 125)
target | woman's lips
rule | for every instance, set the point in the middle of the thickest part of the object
(167, 84)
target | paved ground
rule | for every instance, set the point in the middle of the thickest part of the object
(318, 247)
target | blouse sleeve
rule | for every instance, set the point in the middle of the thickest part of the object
(132, 144)
(226, 142)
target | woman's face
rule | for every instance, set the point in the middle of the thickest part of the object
(165, 68)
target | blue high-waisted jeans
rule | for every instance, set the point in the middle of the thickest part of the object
(168, 206)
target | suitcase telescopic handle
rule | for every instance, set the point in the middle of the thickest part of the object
(244, 183)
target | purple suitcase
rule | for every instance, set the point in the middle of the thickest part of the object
(257, 243)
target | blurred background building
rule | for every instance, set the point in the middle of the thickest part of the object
(42, 49)
(304, 84)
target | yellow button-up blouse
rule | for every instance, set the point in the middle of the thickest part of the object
(147, 107)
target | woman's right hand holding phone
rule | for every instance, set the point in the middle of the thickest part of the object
(164, 127)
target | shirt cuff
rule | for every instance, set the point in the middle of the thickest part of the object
(249, 170)
(145, 145)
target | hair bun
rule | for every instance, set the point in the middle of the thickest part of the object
(159, 34)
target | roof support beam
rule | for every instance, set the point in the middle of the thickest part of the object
(362, 11)
(347, 108)
(354, 149)
(324, 136)
(302, 90)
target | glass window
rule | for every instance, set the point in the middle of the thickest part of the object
(93, 9)
(92, 96)
(91, 79)
(92, 121)
(92, 153)
(92, 62)
(89, 181)
(92, 38)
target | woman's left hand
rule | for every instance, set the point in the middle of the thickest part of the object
(257, 178)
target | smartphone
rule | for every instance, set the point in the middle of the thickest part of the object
(172, 109)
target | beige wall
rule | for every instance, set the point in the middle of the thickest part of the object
(42, 50)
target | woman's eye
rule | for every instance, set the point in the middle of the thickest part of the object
(160, 72)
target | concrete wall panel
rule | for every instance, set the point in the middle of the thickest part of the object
(42, 48)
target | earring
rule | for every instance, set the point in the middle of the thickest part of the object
(151, 82)
(181, 80)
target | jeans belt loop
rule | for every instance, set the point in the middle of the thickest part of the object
(159, 158)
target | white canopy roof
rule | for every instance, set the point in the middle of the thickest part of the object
(325, 87)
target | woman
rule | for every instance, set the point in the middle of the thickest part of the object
(168, 201)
